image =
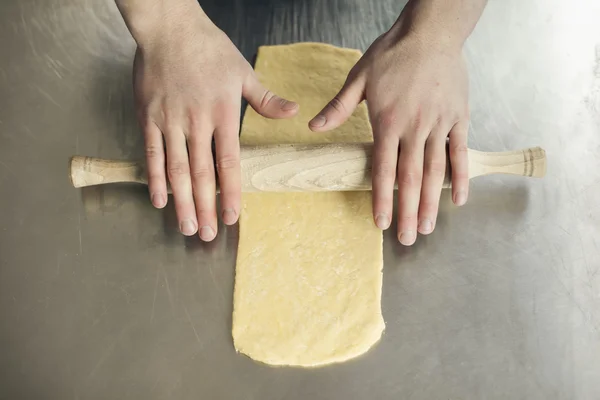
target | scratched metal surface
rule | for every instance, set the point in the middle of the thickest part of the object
(100, 297)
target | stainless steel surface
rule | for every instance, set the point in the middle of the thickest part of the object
(100, 297)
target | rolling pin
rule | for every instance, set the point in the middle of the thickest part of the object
(312, 167)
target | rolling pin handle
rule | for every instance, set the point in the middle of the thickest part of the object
(90, 171)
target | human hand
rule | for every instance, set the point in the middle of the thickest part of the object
(416, 92)
(188, 80)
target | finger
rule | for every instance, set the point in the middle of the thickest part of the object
(203, 180)
(228, 165)
(410, 175)
(385, 159)
(433, 179)
(155, 164)
(265, 102)
(178, 171)
(341, 107)
(459, 162)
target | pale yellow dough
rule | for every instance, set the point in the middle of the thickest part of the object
(309, 265)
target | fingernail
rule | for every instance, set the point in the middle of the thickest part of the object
(229, 216)
(187, 227)
(425, 226)
(318, 121)
(460, 198)
(382, 221)
(158, 200)
(407, 238)
(207, 233)
(288, 105)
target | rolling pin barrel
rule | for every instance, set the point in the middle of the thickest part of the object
(304, 168)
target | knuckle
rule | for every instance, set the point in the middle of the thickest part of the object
(410, 178)
(168, 118)
(407, 220)
(226, 115)
(384, 170)
(443, 125)
(266, 99)
(177, 169)
(204, 210)
(453, 117)
(153, 152)
(337, 105)
(155, 181)
(383, 201)
(435, 168)
(387, 119)
(429, 207)
(202, 172)
(227, 162)
(418, 120)
(440, 119)
(155, 174)
(459, 149)
(194, 120)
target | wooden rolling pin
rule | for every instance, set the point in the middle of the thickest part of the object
(322, 167)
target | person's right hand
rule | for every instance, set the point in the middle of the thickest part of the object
(188, 80)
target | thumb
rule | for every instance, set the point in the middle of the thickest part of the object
(265, 102)
(341, 107)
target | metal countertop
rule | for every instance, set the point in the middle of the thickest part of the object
(101, 297)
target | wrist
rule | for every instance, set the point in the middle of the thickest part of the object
(439, 24)
(150, 21)
(427, 35)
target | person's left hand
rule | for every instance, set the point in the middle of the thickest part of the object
(416, 91)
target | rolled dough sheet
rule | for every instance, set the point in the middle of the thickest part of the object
(309, 265)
